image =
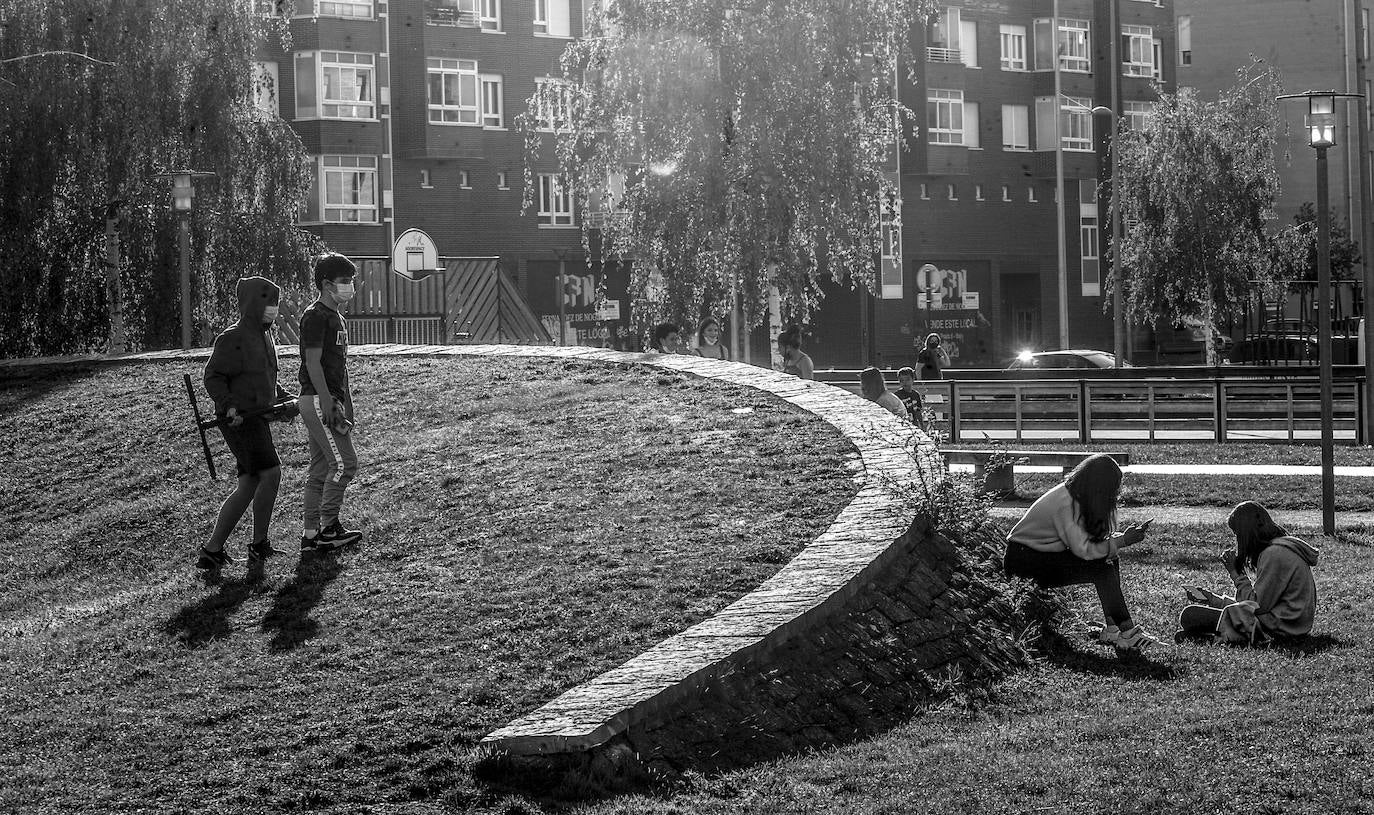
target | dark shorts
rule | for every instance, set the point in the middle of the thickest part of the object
(251, 444)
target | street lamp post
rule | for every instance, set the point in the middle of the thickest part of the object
(183, 203)
(1321, 128)
(1118, 313)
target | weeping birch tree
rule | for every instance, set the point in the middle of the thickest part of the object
(714, 144)
(1198, 185)
(99, 97)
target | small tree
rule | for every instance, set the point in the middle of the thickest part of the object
(1197, 186)
(1294, 248)
(99, 97)
(719, 139)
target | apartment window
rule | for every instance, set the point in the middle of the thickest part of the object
(1030, 195)
(1074, 39)
(491, 15)
(968, 42)
(265, 84)
(1075, 123)
(553, 18)
(945, 117)
(924, 192)
(335, 85)
(1137, 50)
(501, 183)
(1157, 51)
(553, 103)
(1013, 47)
(464, 180)
(978, 192)
(1185, 40)
(1092, 273)
(424, 179)
(972, 138)
(1137, 114)
(451, 12)
(1015, 127)
(555, 201)
(356, 9)
(1006, 193)
(349, 185)
(452, 91)
(492, 106)
(944, 37)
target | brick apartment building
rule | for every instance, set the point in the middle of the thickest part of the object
(409, 107)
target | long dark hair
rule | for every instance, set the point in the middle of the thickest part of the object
(1094, 485)
(871, 381)
(1255, 530)
(661, 332)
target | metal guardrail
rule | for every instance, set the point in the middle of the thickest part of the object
(1216, 409)
(947, 55)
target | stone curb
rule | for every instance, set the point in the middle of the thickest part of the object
(863, 540)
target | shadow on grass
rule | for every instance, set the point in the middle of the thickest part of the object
(36, 381)
(1059, 650)
(208, 620)
(289, 618)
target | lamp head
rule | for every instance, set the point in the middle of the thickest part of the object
(1321, 121)
(183, 193)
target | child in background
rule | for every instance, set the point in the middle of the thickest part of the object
(911, 398)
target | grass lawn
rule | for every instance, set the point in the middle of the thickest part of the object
(1274, 491)
(1186, 729)
(530, 524)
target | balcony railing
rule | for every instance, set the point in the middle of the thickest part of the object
(447, 12)
(952, 55)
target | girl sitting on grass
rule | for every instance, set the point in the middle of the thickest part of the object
(1281, 601)
(1069, 537)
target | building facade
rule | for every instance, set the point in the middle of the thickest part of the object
(980, 179)
(409, 109)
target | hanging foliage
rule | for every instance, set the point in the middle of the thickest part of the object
(711, 142)
(1198, 185)
(1294, 248)
(100, 96)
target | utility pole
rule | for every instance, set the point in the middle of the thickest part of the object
(1059, 183)
(1324, 338)
(1118, 312)
(1366, 220)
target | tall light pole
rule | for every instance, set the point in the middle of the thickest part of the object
(183, 203)
(1321, 129)
(1118, 313)
(1062, 249)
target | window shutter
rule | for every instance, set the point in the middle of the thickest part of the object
(307, 86)
(560, 19)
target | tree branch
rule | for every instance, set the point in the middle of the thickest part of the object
(57, 54)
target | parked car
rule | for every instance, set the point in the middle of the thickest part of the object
(1076, 358)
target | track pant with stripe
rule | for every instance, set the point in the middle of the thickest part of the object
(333, 463)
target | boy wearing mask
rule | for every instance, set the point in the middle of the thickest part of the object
(327, 407)
(241, 378)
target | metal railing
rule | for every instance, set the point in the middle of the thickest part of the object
(948, 55)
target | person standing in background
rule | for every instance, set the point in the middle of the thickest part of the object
(933, 359)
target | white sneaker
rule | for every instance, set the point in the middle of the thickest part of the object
(1132, 639)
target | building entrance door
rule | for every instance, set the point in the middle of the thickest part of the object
(1020, 312)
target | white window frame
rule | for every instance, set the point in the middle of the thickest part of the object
(1075, 126)
(951, 192)
(464, 180)
(1089, 251)
(502, 183)
(552, 18)
(339, 106)
(1072, 41)
(1014, 138)
(426, 182)
(924, 192)
(267, 87)
(1006, 192)
(978, 192)
(363, 170)
(461, 71)
(489, 15)
(463, 13)
(493, 103)
(1013, 40)
(344, 9)
(968, 43)
(556, 113)
(1157, 50)
(556, 205)
(1137, 50)
(1030, 195)
(945, 117)
(1137, 114)
(1185, 39)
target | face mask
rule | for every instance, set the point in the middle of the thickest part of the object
(269, 314)
(343, 292)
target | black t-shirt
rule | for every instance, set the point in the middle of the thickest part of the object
(929, 364)
(324, 328)
(912, 399)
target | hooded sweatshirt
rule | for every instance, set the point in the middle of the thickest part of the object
(242, 371)
(1284, 588)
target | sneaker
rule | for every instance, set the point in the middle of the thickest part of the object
(210, 561)
(1132, 639)
(260, 551)
(335, 536)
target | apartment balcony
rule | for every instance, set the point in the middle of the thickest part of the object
(451, 12)
(944, 55)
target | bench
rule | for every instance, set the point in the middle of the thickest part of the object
(1000, 480)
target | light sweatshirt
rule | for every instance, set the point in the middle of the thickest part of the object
(1053, 524)
(1284, 588)
(890, 401)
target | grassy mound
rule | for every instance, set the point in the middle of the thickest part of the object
(530, 524)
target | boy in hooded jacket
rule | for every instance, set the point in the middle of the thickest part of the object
(241, 378)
